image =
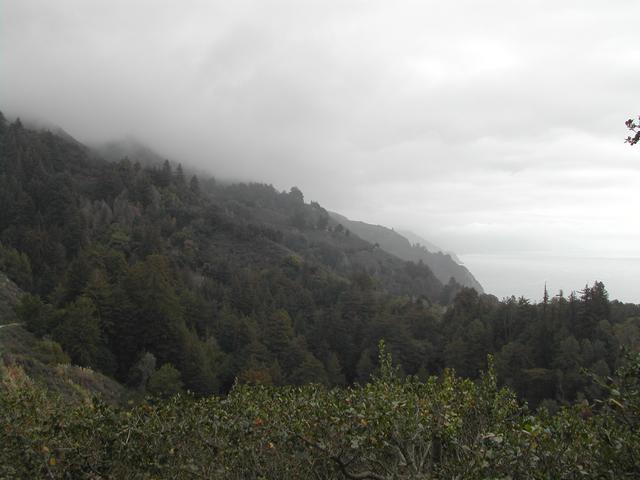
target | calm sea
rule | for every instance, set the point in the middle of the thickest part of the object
(526, 274)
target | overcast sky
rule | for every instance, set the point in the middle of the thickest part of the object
(491, 127)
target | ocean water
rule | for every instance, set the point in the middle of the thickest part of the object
(526, 274)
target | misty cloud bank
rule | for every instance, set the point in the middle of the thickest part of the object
(488, 127)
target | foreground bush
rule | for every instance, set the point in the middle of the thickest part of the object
(390, 428)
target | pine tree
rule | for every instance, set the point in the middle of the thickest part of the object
(334, 370)
(79, 333)
(365, 367)
(166, 175)
(278, 332)
(180, 181)
(158, 313)
(194, 185)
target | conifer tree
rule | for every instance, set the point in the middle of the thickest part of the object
(194, 184)
(180, 181)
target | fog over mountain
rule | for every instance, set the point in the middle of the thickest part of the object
(489, 128)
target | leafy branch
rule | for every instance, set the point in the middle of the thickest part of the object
(635, 129)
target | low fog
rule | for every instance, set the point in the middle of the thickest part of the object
(489, 128)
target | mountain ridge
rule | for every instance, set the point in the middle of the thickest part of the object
(442, 264)
(416, 239)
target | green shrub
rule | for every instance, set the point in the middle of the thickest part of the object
(165, 382)
(51, 353)
(391, 428)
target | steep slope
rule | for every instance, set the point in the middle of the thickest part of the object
(442, 264)
(296, 227)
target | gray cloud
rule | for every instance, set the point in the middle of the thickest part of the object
(487, 126)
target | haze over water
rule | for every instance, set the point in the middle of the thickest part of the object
(525, 274)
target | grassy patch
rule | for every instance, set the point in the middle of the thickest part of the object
(47, 365)
(9, 295)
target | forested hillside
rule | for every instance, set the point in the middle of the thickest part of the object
(126, 263)
(168, 281)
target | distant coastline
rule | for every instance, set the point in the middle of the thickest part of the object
(525, 274)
